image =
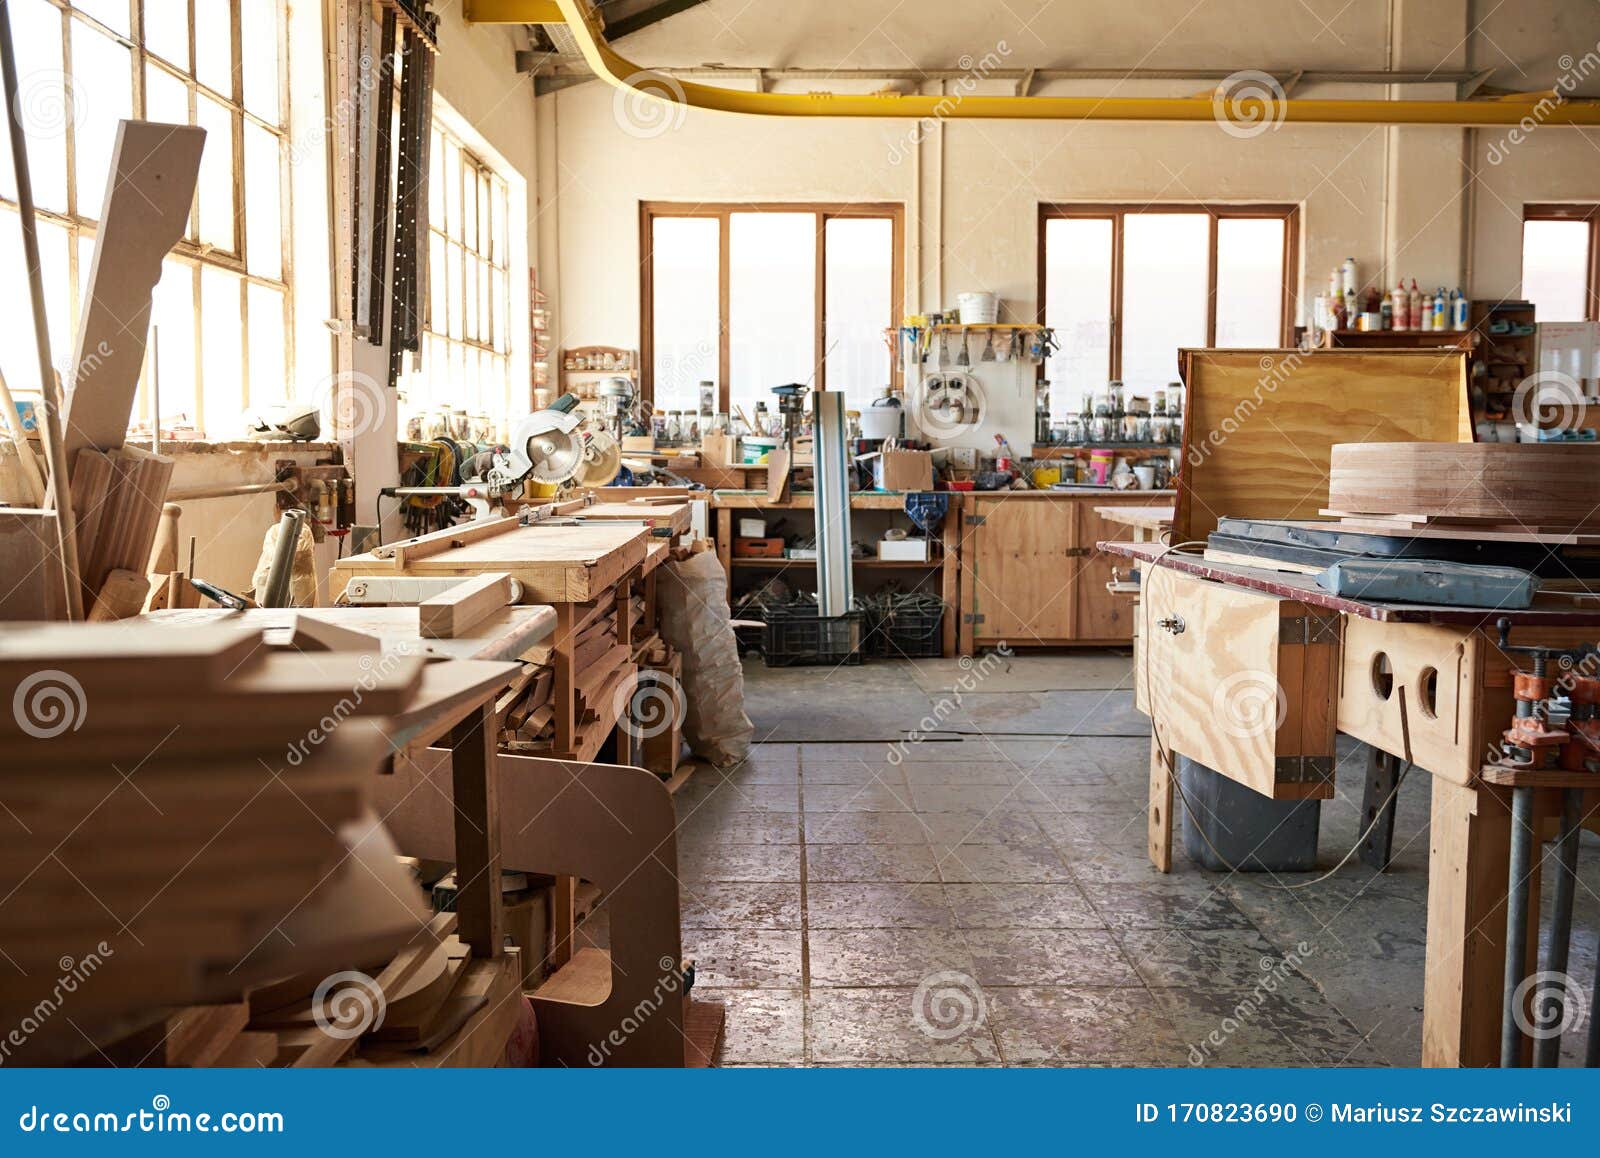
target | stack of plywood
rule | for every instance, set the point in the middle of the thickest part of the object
(185, 813)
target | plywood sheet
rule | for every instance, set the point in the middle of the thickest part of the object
(1262, 424)
(154, 168)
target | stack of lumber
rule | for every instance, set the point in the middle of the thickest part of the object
(526, 712)
(185, 814)
(118, 496)
(601, 665)
(430, 1003)
(1495, 485)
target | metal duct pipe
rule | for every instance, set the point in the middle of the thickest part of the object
(1247, 107)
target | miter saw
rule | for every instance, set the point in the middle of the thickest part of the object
(548, 446)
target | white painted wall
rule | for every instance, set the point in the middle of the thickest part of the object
(1402, 201)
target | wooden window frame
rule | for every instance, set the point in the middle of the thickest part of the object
(1117, 212)
(78, 220)
(723, 213)
(1589, 213)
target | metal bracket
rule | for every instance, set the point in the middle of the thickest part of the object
(1304, 769)
(1307, 629)
(1077, 552)
(972, 618)
(976, 520)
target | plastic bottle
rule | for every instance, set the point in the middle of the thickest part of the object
(1402, 306)
(1386, 313)
(1441, 305)
(1335, 285)
(1458, 310)
(1420, 319)
(1347, 276)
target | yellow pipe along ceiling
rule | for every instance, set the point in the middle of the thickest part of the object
(1246, 106)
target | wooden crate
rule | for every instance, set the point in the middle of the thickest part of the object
(1246, 687)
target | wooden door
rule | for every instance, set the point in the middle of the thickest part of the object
(1101, 616)
(1021, 571)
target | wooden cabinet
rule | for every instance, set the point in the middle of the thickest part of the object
(1030, 573)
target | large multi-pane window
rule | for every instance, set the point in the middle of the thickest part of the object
(1126, 287)
(222, 306)
(466, 340)
(749, 297)
(1561, 261)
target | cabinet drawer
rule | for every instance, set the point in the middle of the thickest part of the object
(1241, 681)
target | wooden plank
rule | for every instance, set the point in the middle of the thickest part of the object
(454, 613)
(435, 541)
(1261, 424)
(1160, 817)
(154, 169)
(1527, 482)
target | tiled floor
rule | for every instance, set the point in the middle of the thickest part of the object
(985, 898)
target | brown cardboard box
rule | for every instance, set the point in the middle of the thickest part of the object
(903, 470)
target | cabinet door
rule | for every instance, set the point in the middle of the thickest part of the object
(1021, 573)
(1101, 616)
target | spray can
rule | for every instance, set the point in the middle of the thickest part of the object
(1402, 306)
(1347, 276)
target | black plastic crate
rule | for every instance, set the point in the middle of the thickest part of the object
(796, 637)
(912, 633)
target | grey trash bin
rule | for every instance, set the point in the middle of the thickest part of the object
(1252, 832)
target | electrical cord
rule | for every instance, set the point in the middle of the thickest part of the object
(1168, 757)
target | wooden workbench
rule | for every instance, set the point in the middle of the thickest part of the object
(1419, 682)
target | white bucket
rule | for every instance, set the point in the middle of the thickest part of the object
(978, 309)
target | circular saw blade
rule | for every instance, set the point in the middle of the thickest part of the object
(556, 455)
(602, 461)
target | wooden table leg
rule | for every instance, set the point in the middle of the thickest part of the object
(564, 691)
(477, 823)
(1378, 808)
(1160, 818)
(1469, 845)
(563, 916)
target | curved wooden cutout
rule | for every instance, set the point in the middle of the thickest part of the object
(611, 825)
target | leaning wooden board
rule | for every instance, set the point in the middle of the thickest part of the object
(554, 563)
(1261, 424)
(1540, 484)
